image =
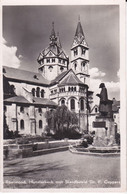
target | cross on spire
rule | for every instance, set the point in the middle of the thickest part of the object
(53, 34)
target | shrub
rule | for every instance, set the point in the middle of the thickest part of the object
(89, 138)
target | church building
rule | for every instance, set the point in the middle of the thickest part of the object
(28, 95)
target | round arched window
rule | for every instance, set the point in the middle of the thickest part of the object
(38, 92)
(22, 124)
(42, 93)
(75, 65)
(40, 124)
(62, 102)
(33, 91)
(82, 104)
(72, 104)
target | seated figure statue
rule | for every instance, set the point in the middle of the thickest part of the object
(105, 106)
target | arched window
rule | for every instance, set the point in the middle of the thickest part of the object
(82, 104)
(61, 69)
(22, 109)
(33, 91)
(42, 93)
(38, 92)
(95, 109)
(72, 89)
(75, 89)
(12, 90)
(62, 102)
(48, 60)
(50, 68)
(22, 124)
(75, 65)
(39, 110)
(72, 104)
(83, 51)
(40, 124)
(83, 66)
(53, 60)
(84, 63)
(75, 52)
(69, 89)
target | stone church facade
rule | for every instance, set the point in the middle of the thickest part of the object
(28, 95)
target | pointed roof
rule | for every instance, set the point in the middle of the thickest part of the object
(79, 38)
(59, 77)
(54, 46)
(67, 78)
(71, 79)
(24, 76)
(36, 101)
(79, 30)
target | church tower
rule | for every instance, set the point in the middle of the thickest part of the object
(80, 55)
(53, 60)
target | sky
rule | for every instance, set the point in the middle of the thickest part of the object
(26, 31)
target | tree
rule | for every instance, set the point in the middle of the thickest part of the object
(6, 133)
(50, 120)
(61, 120)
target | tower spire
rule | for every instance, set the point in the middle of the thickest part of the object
(79, 37)
(79, 30)
(53, 37)
(80, 54)
(53, 31)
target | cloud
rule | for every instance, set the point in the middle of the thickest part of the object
(9, 55)
(113, 86)
(113, 89)
(96, 78)
(95, 73)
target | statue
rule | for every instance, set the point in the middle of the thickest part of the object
(105, 106)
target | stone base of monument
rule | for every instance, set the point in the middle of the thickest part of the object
(104, 132)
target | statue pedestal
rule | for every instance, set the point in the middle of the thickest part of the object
(104, 131)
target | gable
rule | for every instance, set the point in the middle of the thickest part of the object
(62, 55)
(96, 107)
(50, 54)
(40, 56)
(70, 79)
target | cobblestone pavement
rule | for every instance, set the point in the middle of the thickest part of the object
(62, 170)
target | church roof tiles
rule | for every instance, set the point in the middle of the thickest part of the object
(71, 79)
(24, 76)
(79, 30)
(36, 101)
(59, 77)
(79, 37)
